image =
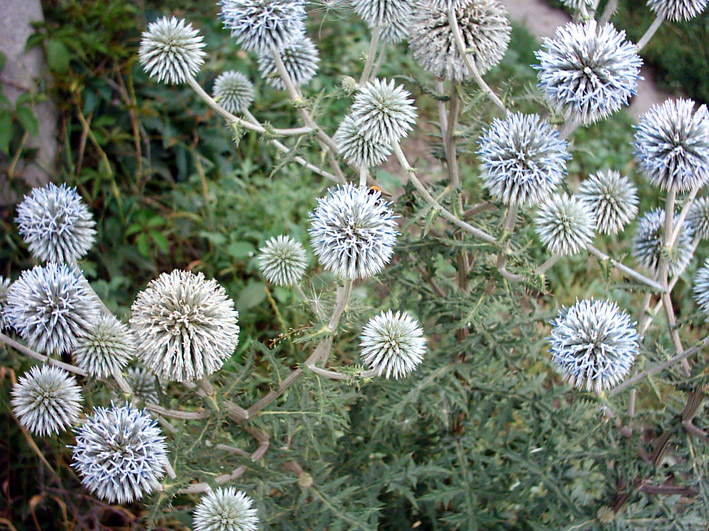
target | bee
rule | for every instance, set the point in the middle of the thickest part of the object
(375, 190)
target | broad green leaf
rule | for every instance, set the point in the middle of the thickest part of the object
(58, 56)
(28, 120)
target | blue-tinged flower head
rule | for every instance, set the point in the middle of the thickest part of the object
(677, 10)
(120, 454)
(523, 159)
(612, 198)
(353, 232)
(300, 60)
(261, 25)
(56, 224)
(106, 348)
(46, 400)
(698, 217)
(51, 307)
(588, 72)
(233, 91)
(381, 12)
(282, 260)
(358, 149)
(672, 145)
(4, 288)
(392, 344)
(701, 287)
(593, 344)
(565, 224)
(384, 112)
(171, 50)
(225, 509)
(648, 244)
(143, 384)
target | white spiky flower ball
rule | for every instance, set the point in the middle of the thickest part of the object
(588, 73)
(171, 50)
(613, 199)
(106, 348)
(356, 148)
(677, 10)
(698, 217)
(46, 400)
(353, 232)
(233, 91)
(300, 60)
(143, 384)
(4, 288)
(384, 111)
(483, 25)
(396, 31)
(56, 224)
(185, 326)
(225, 509)
(593, 344)
(381, 12)
(120, 454)
(523, 159)
(565, 224)
(701, 287)
(282, 260)
(262, 25)
(51, 307)
(392, 344)
(648, 244)
(578, 5)
(672, 145)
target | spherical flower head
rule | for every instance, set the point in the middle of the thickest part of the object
(282, 261)
(698, 217)
(185, 326)
(120, 454)
(384, 112)
(648, 244)
(677, 10)
(262, 25)
(392, 344)
(55, 224)
(356, 148)
(612, 198)
(4, 288)
(701, 287)
(381, 12)
(672, 145)
(51, 307)
(523, 159)
(588, 72)
(565, 224)
(483, 25)
(396, 31)
(578, 5)
(171, 50)
(353, 232)
(233, 91)
(106, 348)
(225, 510)
(593, 344)
(300, 60)
(142, 383)
(47, 400)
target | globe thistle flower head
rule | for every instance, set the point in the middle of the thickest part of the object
(262, 25)
(47, 400)
(4, 288)
(483, 25)
(171, 50)
(358, 149)
(233, 91)
(185, 326)
(381, 12)
(384, 112)
(300, 60)
(581, 6)
(120, 454)
(593, 344)
(282, 261)
(588, 72)
(672, 145)
(56, 224)
(106, 348)
(353, 232)
(677, 10)
(392, 344)
(396, 31)
(612, 198)
(523, 159)
(648, 244)
(698, 217)
(565, 224)
(225, 509)
(51, 307)
(143, 384)
(701, 287)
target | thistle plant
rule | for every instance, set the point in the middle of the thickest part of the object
(171, 50)
(260, 26)
(565, 225)
(392, 344)
(225, 510)
(383, 112)
(4, 288)
(648, 244)
(233, 91)
(106, 348)
(300, 60)
(698, 218)
(612, 198)
(677, 10)
(356, 148)
(283, 261)
(143, 384)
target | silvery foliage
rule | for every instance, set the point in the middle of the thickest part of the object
(233, 91)
(46, 400)
(565, 224)
(185, 326)
(300, 60)
(384, 112)
(56, 224)
(613, 199)
(353, 232)
(4, 288)
(51, 307)
(262, 25)
(120, 454)
(698, 217)
(593, 344)
(392, 344)
(382, 12)
(677, 10)
(522, 158)
(282, 261)
(648, 243)
(357, 149)
(106, 348)
(701, 287)
(483, 25)
(143, 384)
(672, 145)
(586, 72)
(171, 50)
(225, 509)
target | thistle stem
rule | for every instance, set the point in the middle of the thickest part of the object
(682, 216)
(632, 273)
(371, 54)
(608, 12)
(41, 357)
(650, 32)
(553, 259)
